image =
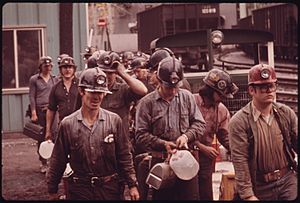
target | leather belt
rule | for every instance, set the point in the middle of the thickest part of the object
(160, 155)
(93, 180)
(43, 109)
(273, 176)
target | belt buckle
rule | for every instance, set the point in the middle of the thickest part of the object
(94, 180)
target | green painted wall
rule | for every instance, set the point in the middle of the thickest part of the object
(30, 14)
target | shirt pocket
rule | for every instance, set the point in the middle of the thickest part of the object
(158, 125)
(109, 147)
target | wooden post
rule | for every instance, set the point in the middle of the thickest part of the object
(66, 28)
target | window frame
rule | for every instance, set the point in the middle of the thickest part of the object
(41, 28)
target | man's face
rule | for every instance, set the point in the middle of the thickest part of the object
(67, 71)
(46, 68)
(140, 73)
(111, 78)
(92, 100)
(218, 97)
(263, 93)
(167, 91)
(152, 78)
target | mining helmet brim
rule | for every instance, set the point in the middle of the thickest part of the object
(98, 90)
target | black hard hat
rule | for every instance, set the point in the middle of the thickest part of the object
(158, 55)
(108, 61)
(67, 61)
(170, 71)
(59, 58)
(45, 60)
(127, 56)
(92, 62)
(88, 51)
(138, 62)
(93, 80)
(221, 81)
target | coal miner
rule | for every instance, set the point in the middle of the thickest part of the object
(167, 119)
(93, 141)
(263, 138)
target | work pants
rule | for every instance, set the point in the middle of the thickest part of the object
(207, 166)
(111, 190)
(283, 189)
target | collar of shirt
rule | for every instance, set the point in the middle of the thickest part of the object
(256, 114)
(51, 76)
(157, 95)
(75, 80)
(100, 115)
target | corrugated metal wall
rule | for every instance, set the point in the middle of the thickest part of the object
(26, 14)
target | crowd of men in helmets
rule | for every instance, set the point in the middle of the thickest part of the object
(124, 114)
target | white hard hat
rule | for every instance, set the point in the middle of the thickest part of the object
(46, 149)
(184, 165)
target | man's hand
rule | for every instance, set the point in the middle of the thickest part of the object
(181, 142)
(48, 135)
(211, 152)
(170, 146)
(34, 117)
(120, 68)
(134, 193)
(53, 196)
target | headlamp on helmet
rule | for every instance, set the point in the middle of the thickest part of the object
(47, 60)
(67, 61)
(261, 73)
(94, 80)
(108, 61)
(60, 57)
(221, 81)
(170, 71)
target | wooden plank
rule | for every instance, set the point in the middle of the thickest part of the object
(227, 187)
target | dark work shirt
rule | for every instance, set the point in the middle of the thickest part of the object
(158, 120)
(39, 90)
(90, 150)
(119, 101)
(63, 101)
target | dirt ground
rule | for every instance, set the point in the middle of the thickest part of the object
(21, 178)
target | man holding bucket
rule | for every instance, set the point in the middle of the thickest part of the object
(168, 119)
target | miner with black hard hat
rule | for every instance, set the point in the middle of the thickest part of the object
(100, 154)
(40, 86)
(152, 65)
(159, 132)
(123, 93)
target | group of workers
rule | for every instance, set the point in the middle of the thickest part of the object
(124, 113)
